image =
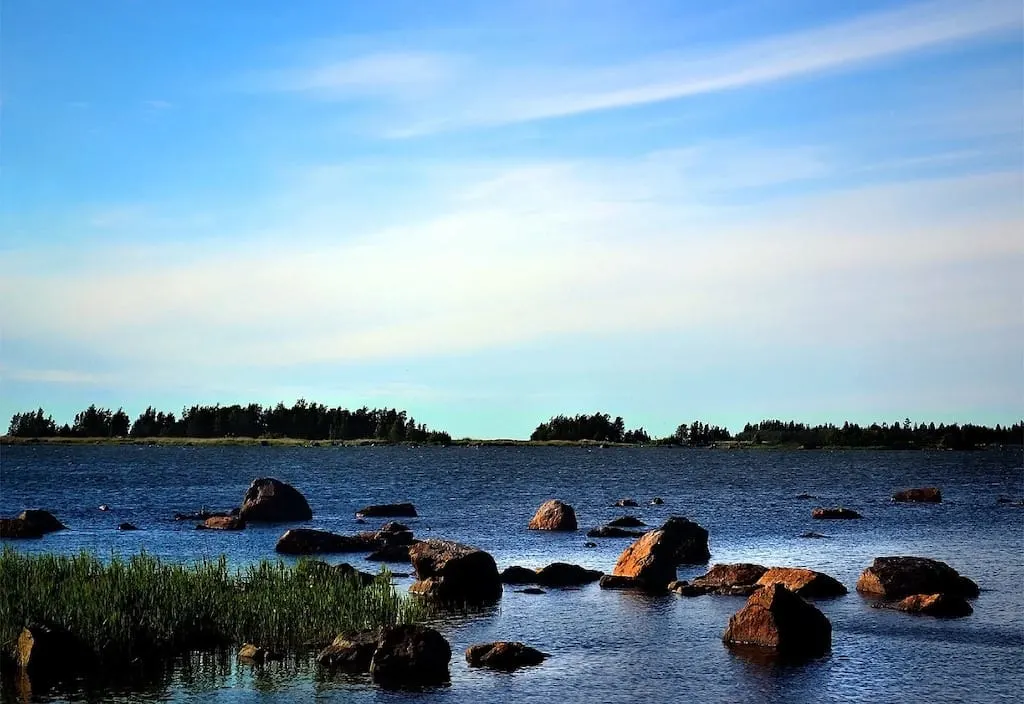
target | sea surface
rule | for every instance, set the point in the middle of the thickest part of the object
(605, 646)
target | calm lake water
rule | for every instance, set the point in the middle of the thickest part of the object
(606, 646)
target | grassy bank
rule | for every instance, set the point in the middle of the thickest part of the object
(141, 607)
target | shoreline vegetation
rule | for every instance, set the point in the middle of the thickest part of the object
(313, 424)
(116, 611)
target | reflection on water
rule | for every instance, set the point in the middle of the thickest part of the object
(606, 646)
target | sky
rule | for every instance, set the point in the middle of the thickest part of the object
(491, 213)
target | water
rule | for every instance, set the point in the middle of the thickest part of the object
(606, 646)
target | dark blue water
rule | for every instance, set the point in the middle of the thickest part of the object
(605, 646)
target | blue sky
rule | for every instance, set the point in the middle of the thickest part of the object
(490, 213)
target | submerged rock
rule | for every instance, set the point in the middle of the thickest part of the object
(937, 605)
(803, 582)
(400, 510)
(811, 534)
(614, 581)
(563, 574)
(307, 541)
(626, 522)
(351, 652)
(554, 515)
(899, 577)
(454, 573)
(834, 513)
(657, 501)
(127, 526)
(410, 656)
(625, 503)
(503, 655)
(930, 495)
(613, 532)
(777, 619)
(31, 523)
(222, 523)
(739, 579)
(272, 501)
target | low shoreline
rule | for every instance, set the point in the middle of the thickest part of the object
(8, 440)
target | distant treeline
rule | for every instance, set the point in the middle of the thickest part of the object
(309, 421)
(600, 427)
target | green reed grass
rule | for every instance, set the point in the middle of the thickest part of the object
(141, 606)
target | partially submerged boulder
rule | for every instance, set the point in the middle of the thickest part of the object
(837, 512)
(692, 540)
(739, 579)
(803, 582)
(626, 522)
(390, 553)
(777, 619)
(614, 581)
(899, 577)
(271, 501)
(613, 532)
(254, 653)
(399, 510)
(127, 526)
(17, 528)
(928, 494)
(351, 652)
(554, 515)
(937, 605)
(518, 575)
(657, 501)
(32, 523)
(651, 561)
(503, 655)
(563, 574)
(222, 523)
(625, 503)
(410, 656)
(454, 573)
(308, 541)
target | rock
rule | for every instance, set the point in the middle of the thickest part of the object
(410, 656)
(530, 590)
(271, 501)
(104, 507)
(43, 521)
(612, 581)
(813, 535)
(518, 575)
(339, 571)
(938, 605)
(930, 495)
(350, 652)
(454, 573)
(776, 618)
(737, 579)
(651, 560)
(563, 574)
(899, 577)
(307, 541)
(50, 649)
(803, 582)
(657, 501)
(553, 515)
(805, 495)
(253, 653)
(626, 522)
(403, 510)
(625, 503)
(1010, 502)
(390, 553)
(202, 515)
(589, 544)
(503, 655)
(613, 532)
(838, 512)
(222, 523)
(17, 528)
(692, 540)
(127, 526)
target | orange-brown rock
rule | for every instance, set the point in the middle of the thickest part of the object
(454, 573)
(928, 494)
(351, 652)
(898, 577)
(938, 605)
(553, 515)
(776, 618)
(651, 560)
(222, 523)
(807, 583)
(503, 655)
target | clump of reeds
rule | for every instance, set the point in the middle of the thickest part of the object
(142, 607)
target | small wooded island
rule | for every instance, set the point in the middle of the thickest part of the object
(306, 422)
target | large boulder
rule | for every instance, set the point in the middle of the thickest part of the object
(307, 541)
(651, 560)
(806, 583)
(834, 513)
(454, 573)
(553, 515)
(32, 523)
(351, 652)
(272, 501)
(898, 577)
(503, 655)
(776, 618)
(938, 605)
(410, 656)
(401, 510)
(739, 579)
(928, 494)
(691, 538)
